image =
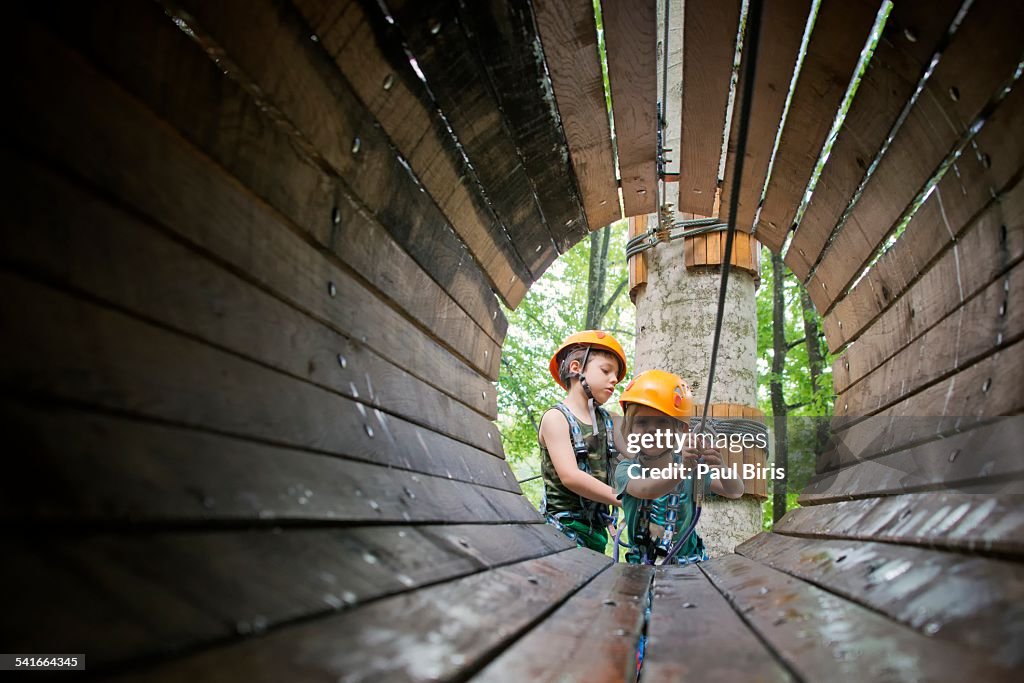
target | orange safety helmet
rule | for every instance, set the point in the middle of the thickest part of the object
(592, 338)
(661, 390)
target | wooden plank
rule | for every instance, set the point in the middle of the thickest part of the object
(170, 592)
(607, 613)
(888, 82)
(119, 363)
(819, 635)
(979, 392)
(394, 638)
(968, 208)
(977, 63)
(637, 265)
(631, 40)
(972, 602)
(694, 633)
(301, 81)
(782, 29)
(988, 454)
(709, 46)
(219, 116)
(979, 257)
(459, 86)
(569, 37)
(980, 524)
(715, 246)
(841, 30)
(995, 320)
(700, 250)
(114, 251)
(156, 172)
(83, 467)
(505, 35)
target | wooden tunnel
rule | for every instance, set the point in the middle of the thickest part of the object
(252, 258)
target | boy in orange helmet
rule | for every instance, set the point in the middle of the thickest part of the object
(660, 511)
(577, 442)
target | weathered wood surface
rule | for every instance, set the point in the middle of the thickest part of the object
(968, 209)
(569, 37)
(220, 114)
(398, 637)
(992, 523)
(505, 35)
(593, 636)
(165, 594)
(914, 31)
(820, 636)
(782, 28)
(459, 85)
(709, 45)
(977, 262)
(985, 323)
(299, 79)
(841, 30)
(986, 456)
(695, 633)
(974, 602)
(78, 466)
(630, 35)
(125, 150)
(56, 345)
(113, 250)
(972, 71)
(977, 393)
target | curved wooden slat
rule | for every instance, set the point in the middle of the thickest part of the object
(973, 602)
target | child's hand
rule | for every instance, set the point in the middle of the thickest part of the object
(711, 457)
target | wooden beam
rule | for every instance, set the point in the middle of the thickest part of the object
(888, 82)
(782, 29)
(820, 635)
(569, 35)
(983, 524)
(978, 62)
(972, 222)
(630, 34)
(695, 633)
(505, 35)
(155, 171)
(971, 602)
(709, 46)
(173, 592)
(841, 30)
(303, 84)
(71, 349)
(459, 85)
(995, 320)
(472, 634)
(114, 251)
(970, 460)
(608, 612)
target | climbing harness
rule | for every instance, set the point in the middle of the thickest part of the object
(592, 511)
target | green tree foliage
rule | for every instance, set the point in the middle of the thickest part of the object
(808, 403)
(555, 307)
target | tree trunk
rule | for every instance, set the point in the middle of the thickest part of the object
(597, 276)
(816, 361)
(779, 349)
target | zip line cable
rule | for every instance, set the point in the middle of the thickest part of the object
(749, 71)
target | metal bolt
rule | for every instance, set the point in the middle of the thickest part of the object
(389, 81)
(356, 144)
(331, 289)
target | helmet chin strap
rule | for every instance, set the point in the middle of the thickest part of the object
(591, 406)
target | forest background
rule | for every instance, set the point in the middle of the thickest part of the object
(587, 289)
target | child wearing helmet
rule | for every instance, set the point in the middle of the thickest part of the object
(577, 442)
(660, 510)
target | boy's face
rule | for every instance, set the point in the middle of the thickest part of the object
(602, 373)
(651, 421)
